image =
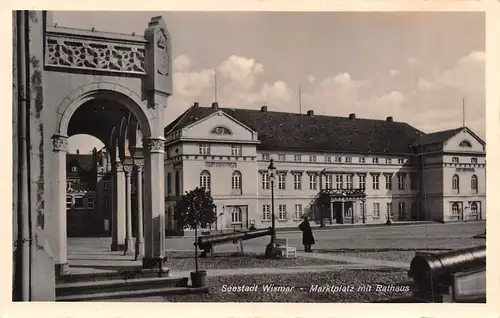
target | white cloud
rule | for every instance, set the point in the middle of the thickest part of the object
(181, 63)
(424, 84)
(412, 61)
(239, 73)
(393, 72)
(311, 79)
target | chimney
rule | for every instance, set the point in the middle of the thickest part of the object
(389, 119)
(77, 151)
(215, 105)
(263, 108)
(196, 105)
(310, 112)
(352, 116)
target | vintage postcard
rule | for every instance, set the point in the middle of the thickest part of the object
(249, 157)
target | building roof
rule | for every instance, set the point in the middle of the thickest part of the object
(292, 131)
(436, 137)
(85, 162)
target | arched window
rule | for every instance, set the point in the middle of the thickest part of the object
(455, 209)
(236, 181)
(205, 180)
(473, 183)
(465, 143)
(455, 183)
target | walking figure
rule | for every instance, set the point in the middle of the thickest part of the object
(307, 234)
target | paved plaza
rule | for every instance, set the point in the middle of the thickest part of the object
(349, 257)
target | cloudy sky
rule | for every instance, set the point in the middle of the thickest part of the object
(415, 66)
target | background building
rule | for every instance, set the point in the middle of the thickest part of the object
(346, 169)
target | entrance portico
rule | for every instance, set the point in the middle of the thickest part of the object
(113, 87)
(344, 205)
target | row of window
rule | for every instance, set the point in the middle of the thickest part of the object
(457, 160)
(332, 159)
(205, 150)
(455, 183)
(342, 181)
(86, 202)
(455, 208)
(282, 214)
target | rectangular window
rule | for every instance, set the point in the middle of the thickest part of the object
(313, 182)
(105, 184)
(348, 181)
(298, 211)
(282, 212)
(328, 181)
(236, 215)
(388, 209)
(388, 160)
(339, 181)
(169, 183)
(265, 156)
(455, 160)
(236, 150)
(69, 202)
(297, 158)
(348, 159)
(281, 157)
(338, 159)
(362, 159)
(204, 149)
(312, 158)
(90, 203)
(79, 203)
(402, 209)
(388, 181)
(375, 160)
(362, 181)
(328, 159)
(106, 203)
(413, 181)
(473, 160)
(297, 181)
(375, 181)
(401, 181)
(266, 212)
(348, 213)
(376, 210)
(401, 161)
(281, 181)
(69, 186)
(265, 181)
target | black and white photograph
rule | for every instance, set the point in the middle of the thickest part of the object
(249, 157)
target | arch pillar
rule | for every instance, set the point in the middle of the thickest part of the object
(118, 213)
(154, 204)
(60, 241)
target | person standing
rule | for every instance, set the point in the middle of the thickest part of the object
(307, 235)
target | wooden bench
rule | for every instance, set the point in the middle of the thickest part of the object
(282, 244)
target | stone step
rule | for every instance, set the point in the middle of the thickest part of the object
(131, 273)
(118, 285)
(130, 294)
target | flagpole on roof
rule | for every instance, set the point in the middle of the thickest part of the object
(215, 86)
(463, 111)
(300, 101)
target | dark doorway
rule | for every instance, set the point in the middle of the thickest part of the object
(338, 213)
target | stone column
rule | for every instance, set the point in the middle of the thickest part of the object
(154, 205)
(118, 238)
(60, 246)
(129, 243)
(343, 211)
(139, 241)
(331, 211)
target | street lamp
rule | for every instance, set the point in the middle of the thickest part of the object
(271, 173)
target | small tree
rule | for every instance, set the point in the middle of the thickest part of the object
(195, 209)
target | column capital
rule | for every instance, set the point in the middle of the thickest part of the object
(60, 142)
(128, 169)
(139, 163)
(154, 144)
(118, 167)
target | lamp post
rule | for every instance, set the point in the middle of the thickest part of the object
(270, 247)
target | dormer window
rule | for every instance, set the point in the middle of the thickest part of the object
(221, 130)
(465, 144)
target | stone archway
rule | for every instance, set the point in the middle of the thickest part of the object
(143, 94)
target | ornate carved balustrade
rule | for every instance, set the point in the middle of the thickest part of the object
(82, 50)
(348, 193)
